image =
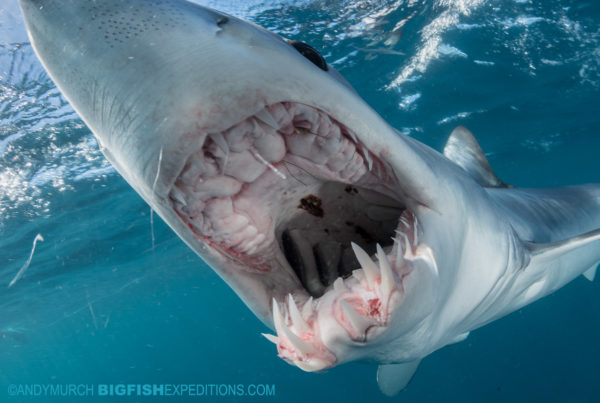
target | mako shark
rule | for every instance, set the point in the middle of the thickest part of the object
(349, 239)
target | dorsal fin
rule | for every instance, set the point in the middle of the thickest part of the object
(462, 149)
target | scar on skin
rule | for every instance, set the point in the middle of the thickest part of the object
(312, 204)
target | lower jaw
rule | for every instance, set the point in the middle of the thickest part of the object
(290, 191)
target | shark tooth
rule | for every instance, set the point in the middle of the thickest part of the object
(404, 221)
(358, 322)
(415, 231)
(272, 338)
(368, 158)
(265, 116)
(338, 285)
(277, 318)
(307, 309)
(369, 267)
(387, 276)
(300, 345)
(219, 140)
(352, 136)
(298, 321)
(178, 195)
(399, 253)
(408, 253)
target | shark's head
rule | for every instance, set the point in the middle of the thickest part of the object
(326, 222)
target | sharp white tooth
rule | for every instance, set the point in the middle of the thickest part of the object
(352, 136)
(399, 257)
(299, 344)
(387, 276)
(368, 158)
(268, 119)
(338, 285)
(368, 266)
(307, 308)
(197, 223)
(358, 322)
(298, 321)
(404, 221)
(277, 318)
(271, 338)
(178, 195)
(220, 141)
(415, 233)
(407, 248)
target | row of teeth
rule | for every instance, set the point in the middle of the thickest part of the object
(256, 150)
(366, 300)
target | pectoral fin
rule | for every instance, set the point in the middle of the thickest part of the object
(460, 338)
(555, 249)
(392, 378)
(590, 274)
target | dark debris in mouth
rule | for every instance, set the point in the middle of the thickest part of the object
(312, 204)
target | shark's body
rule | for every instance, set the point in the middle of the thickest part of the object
(267, 164)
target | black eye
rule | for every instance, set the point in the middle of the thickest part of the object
(310, 53)
(222, 20)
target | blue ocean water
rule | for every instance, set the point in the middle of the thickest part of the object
(114, 297)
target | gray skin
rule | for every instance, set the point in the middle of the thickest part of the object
(147, 76)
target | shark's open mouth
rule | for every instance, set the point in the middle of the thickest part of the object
(291, 190)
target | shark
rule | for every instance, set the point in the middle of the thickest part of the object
(348, 239)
